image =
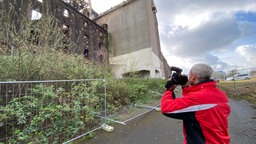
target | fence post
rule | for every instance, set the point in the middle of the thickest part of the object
(105, 101)
(236, 92)
(105, 126)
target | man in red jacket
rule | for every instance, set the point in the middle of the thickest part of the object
(203, 108)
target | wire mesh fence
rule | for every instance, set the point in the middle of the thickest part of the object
(50, 111)
(63, 111)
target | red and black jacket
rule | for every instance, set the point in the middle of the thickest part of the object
(204, 110)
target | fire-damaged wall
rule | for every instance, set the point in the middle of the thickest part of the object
(89, 37)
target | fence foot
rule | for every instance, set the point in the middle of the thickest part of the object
(107, 128)
(157, 109)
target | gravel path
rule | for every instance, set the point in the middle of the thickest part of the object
(242, 123)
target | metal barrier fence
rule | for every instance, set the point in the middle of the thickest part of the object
(53, 111)
(62, 111)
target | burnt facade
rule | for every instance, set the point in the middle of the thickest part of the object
(89, 37)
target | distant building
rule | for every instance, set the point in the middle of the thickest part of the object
(134, 39)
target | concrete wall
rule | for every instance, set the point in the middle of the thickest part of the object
(142, 60)
(133, 38)
(129, 27)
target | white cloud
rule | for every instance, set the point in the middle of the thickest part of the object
(211, 35)
(248, 53)
(191, 31)
(190, 22)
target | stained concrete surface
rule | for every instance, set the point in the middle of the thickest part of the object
(154, 128)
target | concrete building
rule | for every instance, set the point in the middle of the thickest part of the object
(133, 39)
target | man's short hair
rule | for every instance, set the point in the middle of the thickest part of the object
(203, 71)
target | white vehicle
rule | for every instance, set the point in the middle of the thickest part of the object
(242, 77)
(239, 77)
(230, 78)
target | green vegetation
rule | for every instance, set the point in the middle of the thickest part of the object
(34, 50)
(51, 115)
(41, 117)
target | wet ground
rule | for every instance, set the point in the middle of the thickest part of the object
(242, 123)
(154, 128)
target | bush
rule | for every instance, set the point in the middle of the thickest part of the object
(41, 117)
(130, 90)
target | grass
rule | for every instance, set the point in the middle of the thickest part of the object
(240, 89)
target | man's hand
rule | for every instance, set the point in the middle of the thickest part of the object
(170, 85)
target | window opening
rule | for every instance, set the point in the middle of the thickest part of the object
(66, 13)
(86, 53)
(35, 15)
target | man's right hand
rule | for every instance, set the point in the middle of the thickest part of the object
(170, 85)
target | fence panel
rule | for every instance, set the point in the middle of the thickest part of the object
(50, 111)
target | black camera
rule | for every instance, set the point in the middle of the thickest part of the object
(177, 77)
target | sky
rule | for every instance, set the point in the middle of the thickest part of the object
(221, 33)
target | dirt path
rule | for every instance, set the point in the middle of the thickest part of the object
(242, 123)
(154, 128)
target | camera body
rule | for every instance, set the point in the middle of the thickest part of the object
(177, 77)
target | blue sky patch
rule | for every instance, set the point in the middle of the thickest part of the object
(246, 16)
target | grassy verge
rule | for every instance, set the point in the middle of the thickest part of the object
(243, 89)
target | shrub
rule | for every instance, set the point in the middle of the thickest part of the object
(41, 117)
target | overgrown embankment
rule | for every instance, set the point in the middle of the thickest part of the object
(242, 89)
(43, 115)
